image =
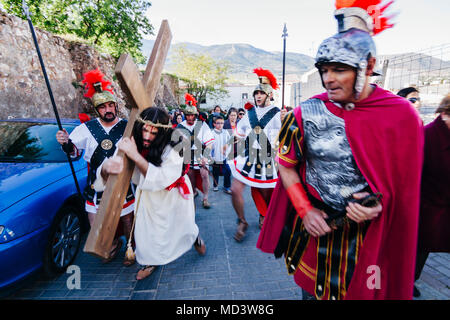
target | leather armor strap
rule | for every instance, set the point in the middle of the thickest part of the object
(257, 133)
(100, 153)
(297, 245)
(335, 263)
(322, 265)
(194, 138)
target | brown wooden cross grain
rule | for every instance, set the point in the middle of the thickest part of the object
(141, 94)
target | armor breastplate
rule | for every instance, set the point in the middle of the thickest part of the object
(330, 166)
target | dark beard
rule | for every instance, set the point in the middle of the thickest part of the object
(146, 146)
(104, 118)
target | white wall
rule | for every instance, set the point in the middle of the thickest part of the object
(234, 98)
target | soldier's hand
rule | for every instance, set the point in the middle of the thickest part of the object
(62, 136)
(359, 213)
(113, 165)
(314, 222)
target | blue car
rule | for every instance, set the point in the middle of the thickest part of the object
(42, 215)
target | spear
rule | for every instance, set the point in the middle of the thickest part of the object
(284, 36)
(26, 12)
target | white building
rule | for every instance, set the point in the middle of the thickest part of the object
(238, 95)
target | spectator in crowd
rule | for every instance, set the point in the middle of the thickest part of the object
(241, 113)
(412, 95)
(219, 153)
(434, 218)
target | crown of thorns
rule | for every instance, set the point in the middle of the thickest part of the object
(151, 123)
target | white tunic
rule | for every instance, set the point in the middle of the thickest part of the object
(243, 130)
(221, 139)
(204, 135)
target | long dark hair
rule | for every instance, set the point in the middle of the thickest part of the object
(162, 139)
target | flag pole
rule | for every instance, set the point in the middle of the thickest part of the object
(284, 36)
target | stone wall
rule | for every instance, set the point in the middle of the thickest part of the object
(23, 92)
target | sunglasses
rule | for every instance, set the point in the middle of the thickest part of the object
(241, 114)
(413, 100)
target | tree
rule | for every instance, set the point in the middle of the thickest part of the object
(116, 26)
(202, 74)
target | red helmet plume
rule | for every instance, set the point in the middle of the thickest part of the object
(91, 78)
(269, 75)
(373, 8)
(189, 98)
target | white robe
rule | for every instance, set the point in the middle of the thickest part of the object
(165, 222)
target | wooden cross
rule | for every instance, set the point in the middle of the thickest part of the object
(141, 94)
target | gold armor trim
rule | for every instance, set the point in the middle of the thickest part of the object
(287, 159)
(106, 144)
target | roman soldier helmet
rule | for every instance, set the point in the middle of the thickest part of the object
(267, 81)
(191, 104)
(97, 88)
(358, 21)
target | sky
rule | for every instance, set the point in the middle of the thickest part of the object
(419, 24)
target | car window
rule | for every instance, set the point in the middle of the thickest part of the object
(30, 142)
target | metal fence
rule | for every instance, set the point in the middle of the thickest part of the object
(428, 70)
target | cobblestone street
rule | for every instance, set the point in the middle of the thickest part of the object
(229, 271)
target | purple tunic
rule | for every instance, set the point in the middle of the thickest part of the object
(434, 223)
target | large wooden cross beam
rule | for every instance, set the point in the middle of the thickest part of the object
(141, 94)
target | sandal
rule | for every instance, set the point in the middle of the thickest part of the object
(206, 204)
(261, 221)
(145, 272)
(201, 247)
(113, 253)
(128, 262)
(240, 232)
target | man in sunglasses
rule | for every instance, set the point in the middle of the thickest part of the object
(412, 95)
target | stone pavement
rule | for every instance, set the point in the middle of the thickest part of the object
(228, 271)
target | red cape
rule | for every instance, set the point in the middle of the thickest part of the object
(386, 137)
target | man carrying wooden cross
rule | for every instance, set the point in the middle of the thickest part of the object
(140, 92)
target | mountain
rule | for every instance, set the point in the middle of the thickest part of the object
(243, 58)
(418, 62)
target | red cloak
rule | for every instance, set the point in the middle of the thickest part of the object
(386, 137)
